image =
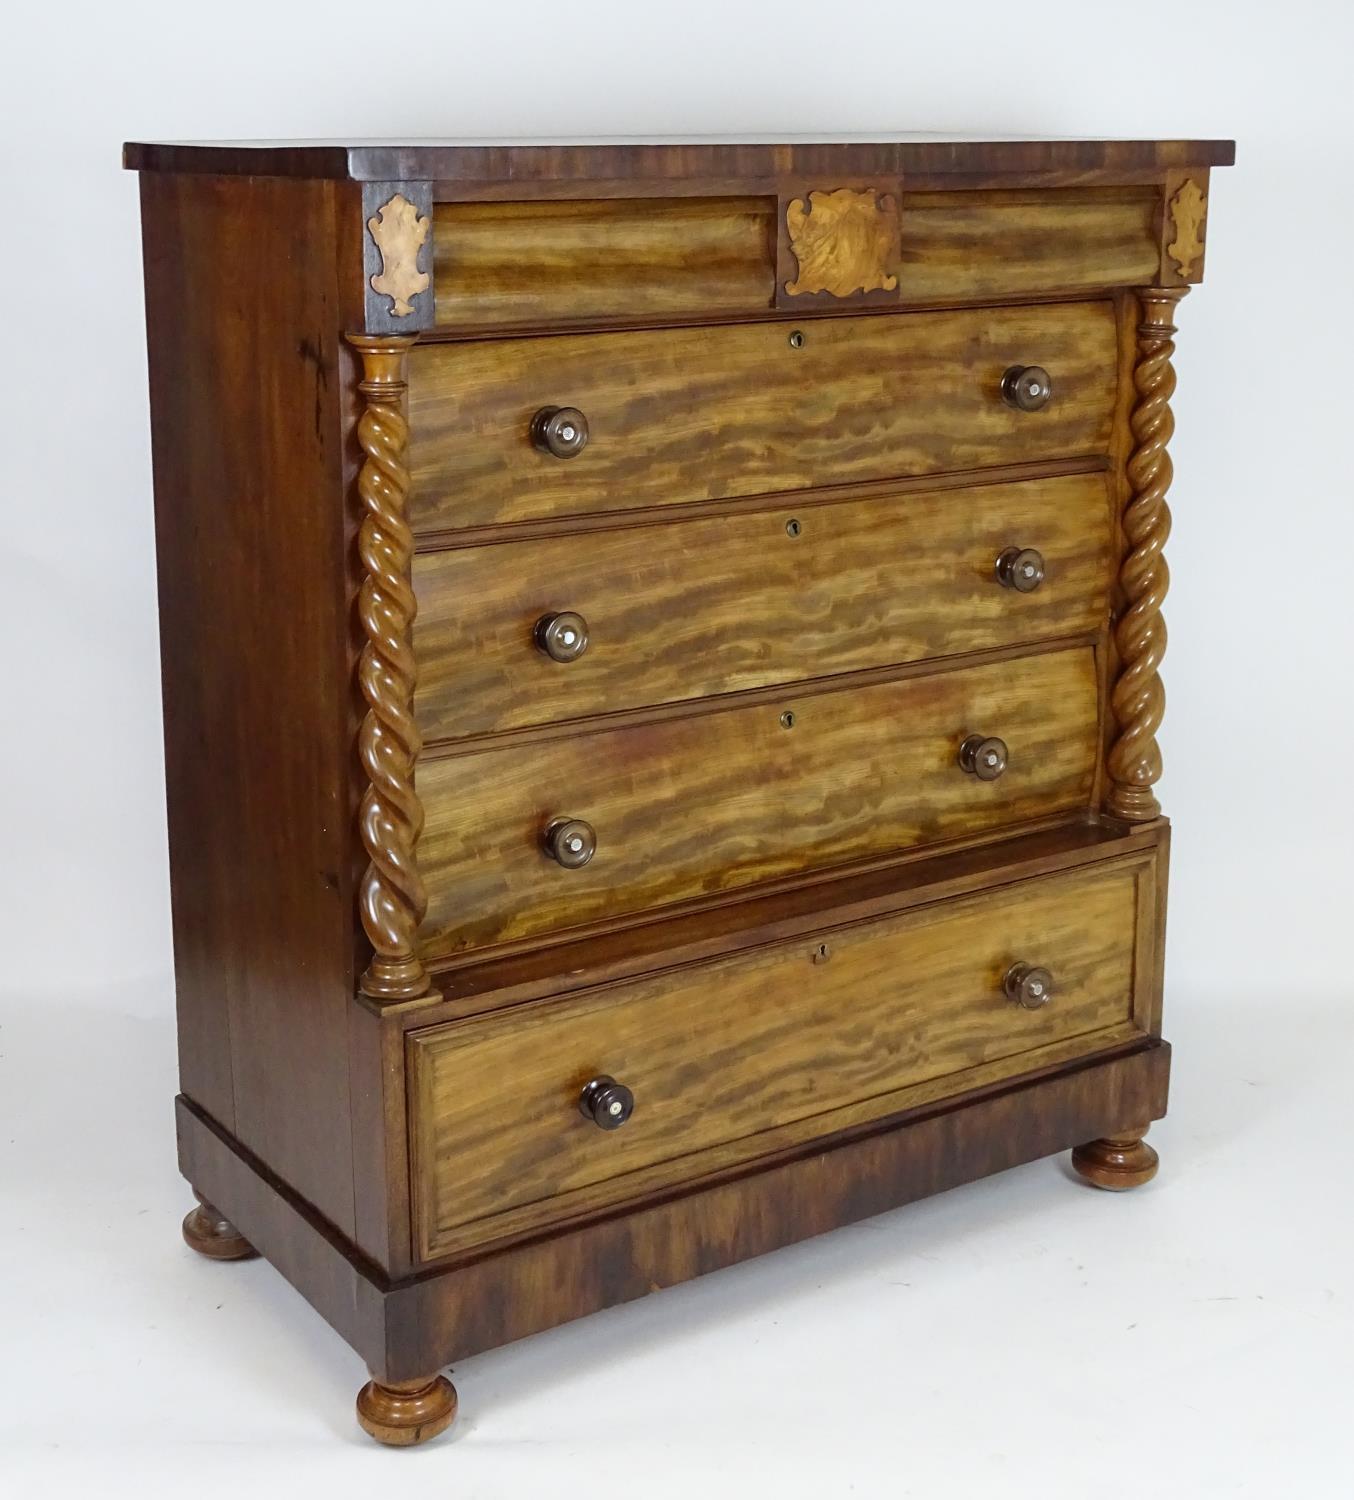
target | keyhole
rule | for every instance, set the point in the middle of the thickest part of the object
(793, 528)
(797, 339)
(787, 719)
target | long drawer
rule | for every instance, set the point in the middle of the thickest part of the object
(741, 1056)
(690, 807)
(687, 609)
(540, 262)
(684, 414)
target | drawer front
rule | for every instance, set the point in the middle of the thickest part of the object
(694, 608)
(688, 414)
(746, 1055)
(690, 807)
(505, 264)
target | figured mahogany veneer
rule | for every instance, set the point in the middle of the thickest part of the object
(662, 653)
(710, 802)
(797, 591)
(687, 414)
(806, 1038)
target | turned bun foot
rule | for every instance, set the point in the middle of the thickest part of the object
(406, 1412)
(1118, 1161)
(210, 1233)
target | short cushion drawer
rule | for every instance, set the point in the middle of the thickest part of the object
(689, 807)
(751, 1054)
(692, 608)
(682, 414)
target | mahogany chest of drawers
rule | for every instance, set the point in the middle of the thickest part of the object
(660, 651)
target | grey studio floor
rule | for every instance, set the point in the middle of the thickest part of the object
(1020, 1336)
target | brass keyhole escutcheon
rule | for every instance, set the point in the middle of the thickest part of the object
(787, 719)
(797, 339)
(793, 527)
(822, 953)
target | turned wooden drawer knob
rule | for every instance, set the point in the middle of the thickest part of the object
(1028, 986)
(563, 637)
(571, 841)
(1021, 569)
(606, 1103)
(561, 430)
(1026, 387)
(983, 756)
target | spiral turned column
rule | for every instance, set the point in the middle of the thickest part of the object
(1138, 699)
(392, 899)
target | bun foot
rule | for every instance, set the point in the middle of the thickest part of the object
(406, 1412)
(1117, 1162)
(210, 1233)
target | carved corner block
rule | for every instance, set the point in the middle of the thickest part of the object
(839, 245)
(397, 256)
(1184, 217)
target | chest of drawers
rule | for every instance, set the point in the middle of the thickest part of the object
(660, 651)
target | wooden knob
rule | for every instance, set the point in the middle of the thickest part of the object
(1026, 387)
(562, 637)
(571, 841)
(1021, 569)
(560, 430)
(1028, 985)
(606, 1103)
(983, 756)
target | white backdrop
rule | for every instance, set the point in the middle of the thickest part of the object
(1259, 723)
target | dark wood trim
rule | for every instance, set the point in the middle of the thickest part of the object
(407, 1329)
(341, 1285)
(246, 435)
(668, 165)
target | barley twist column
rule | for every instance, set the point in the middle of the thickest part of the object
(392, 899)
(1138, 699)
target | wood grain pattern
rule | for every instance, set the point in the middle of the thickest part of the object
(1138, 698)
(426, 1322)
(843, 242)
(531, 264)
(405, 1413)
(501, 979)
(504, 263)
(779, 596)
(1118, 1162)
(692, 807)
(391, 897)
(252, 536)
(796, 908)
(710, 413)
(853, 1016)
(1188, 208)
(1012, 243)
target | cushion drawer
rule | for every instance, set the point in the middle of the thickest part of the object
(500, 264)
(683, 414)
(693, 608)
(744, 1055)
(689, 807)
